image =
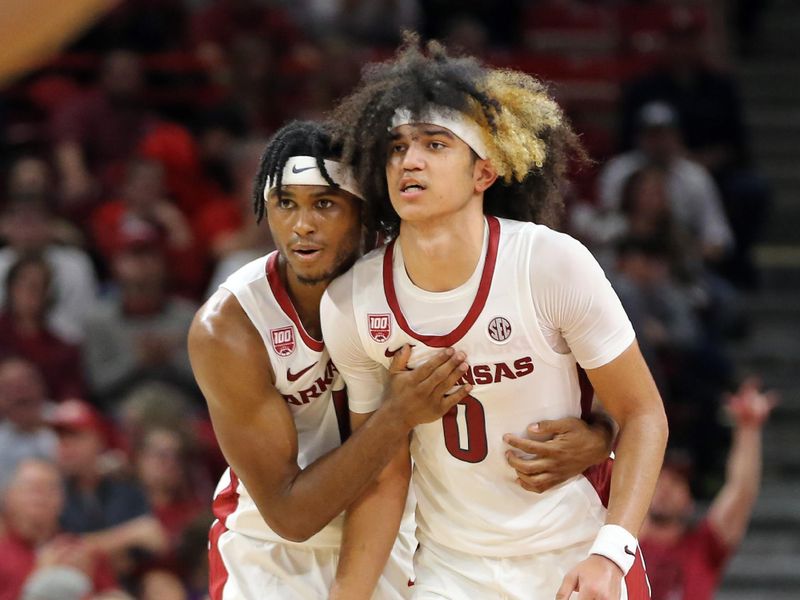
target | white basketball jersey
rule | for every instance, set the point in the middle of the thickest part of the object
(467, 496)
(308, 381)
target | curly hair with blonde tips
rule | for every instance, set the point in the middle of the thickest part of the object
(528, 138)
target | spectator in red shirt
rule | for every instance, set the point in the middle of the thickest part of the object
(24, 330)
(687, 561)
(145, 210)
(32, 542)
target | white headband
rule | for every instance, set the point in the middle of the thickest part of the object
(460, 124)
(303, 170)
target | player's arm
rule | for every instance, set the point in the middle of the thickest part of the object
(372, 522)
(256, 431)
(371, 526)
(572, 294)
(731, 509)
(628, 392)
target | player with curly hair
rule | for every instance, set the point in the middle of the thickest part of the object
(462, 165)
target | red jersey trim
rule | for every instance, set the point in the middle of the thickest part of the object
(587, 393)
(282, 296)
(636, 582)
(442, 341)
(223, 506)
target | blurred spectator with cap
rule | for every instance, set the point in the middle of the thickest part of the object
(685, 560)
(139, 331)
(38, 560)
(23, 401)
(27, 226)
(24, 328)
(693, 196)
(109, 511)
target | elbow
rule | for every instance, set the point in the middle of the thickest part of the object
(293, 527)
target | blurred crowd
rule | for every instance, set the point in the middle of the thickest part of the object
(126, 168)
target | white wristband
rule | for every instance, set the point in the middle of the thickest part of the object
(617, 545)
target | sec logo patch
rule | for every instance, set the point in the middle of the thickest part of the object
(499, 330)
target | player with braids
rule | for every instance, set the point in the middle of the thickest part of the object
(296, 138)
(277, 402)
(523, 130)
(462, 165)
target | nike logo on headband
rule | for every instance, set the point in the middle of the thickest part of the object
(295, 170)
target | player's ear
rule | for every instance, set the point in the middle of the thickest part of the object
(484, 174)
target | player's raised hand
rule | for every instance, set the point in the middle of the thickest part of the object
(554, 451)
(595, 578)
(421, 395)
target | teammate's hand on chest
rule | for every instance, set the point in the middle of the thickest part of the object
(421, 395)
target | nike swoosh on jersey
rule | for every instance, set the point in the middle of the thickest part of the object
(295, 170)
(295, 376)
(390, 353)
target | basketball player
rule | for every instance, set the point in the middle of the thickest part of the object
(278, 405)
(277, 402)
(431, 137)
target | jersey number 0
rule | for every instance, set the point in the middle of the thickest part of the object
(464, 428)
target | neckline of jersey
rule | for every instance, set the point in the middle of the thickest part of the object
(445, 340)
(403, 283)
(285, 302)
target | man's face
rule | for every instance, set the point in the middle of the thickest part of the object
(672, 503)
(316, 229)
(28, 294)
(78, 450)
(34, 496)
(22, 394)
(661, 144)
(431, 172)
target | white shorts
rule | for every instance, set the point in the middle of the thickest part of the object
(244, 568)
(443, 573)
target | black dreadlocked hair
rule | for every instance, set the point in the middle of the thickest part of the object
(298, 138)
(529, 140)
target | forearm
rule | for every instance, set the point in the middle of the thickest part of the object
(731, 509)
(143, 532)
(640, 452)
(324, 489)
(370, 530)
(743, 470)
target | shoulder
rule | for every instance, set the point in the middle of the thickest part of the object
(560, 259)
(363, 272)
(223, 342)
(68, 257)
(104, 310)
(219, 323)
(690, 169)
(557, 248)
(622, 163)
(253, 271)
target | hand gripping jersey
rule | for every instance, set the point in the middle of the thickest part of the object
(308, 381)
(466, 492)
